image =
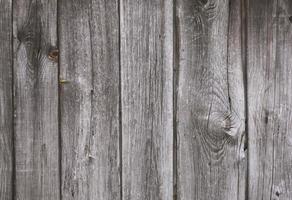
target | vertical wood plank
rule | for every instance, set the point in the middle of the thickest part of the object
(89, 73)
(6, 104)
(104, 23)
(210, 100)
(147, 100)
(75, 97)
(270, 99)
(36, 99)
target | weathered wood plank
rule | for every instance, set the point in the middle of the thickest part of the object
(6, 104)
(89, 69)
(147, 100)
(36, 99)
(210, 100)
(104, 21)
(269, 99)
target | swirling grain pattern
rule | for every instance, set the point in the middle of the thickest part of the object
(210, 101)
(145, 99)
(35, 100)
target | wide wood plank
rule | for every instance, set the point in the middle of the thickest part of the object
(270, 99)
(210, 100)
(89, 78)
(36, 99)
(147, 105)
(6, 109)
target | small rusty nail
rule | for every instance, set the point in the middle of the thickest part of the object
(54, 55)
(64, 81)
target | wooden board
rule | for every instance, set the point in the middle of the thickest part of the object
(160, 99)
(147, 99)
(6, 102)
(36, 99)
(89, 99)
(269, 99)
(210, 101)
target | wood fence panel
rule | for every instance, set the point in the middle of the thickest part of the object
(269, 99)
(89, 99)
(36, 99)
(147, 99)
(209, 101)
(6, 103)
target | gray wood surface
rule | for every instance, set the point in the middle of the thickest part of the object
(270, 99)
(6, 107)
(89, 98)
(210, 101)
(36, 99)
(147, 100)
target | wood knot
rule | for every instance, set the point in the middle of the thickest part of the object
(54, 55)
(231, 124)
(204, 2)
(266, 116)
(290, 19)
(227, 123)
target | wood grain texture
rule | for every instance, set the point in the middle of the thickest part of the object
(147, 99)
(36, 99)
(269, 99)
(6, 103)
(210, 100)
(89, 72)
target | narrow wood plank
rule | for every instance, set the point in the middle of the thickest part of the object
(36, 99)
(210, 101)
(147, 99)
(6, 105)
(104, 21)
(89, 72)
(270, 99)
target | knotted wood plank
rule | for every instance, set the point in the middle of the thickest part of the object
(36, 99)
(210, 102)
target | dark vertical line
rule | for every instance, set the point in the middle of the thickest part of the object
(275, 77)
(59, 102)
(13, 137)
(175, 84)
(91, 89)
(120, 105)
(244, 52)
(227, 57)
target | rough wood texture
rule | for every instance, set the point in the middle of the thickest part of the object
(151, 99)
(36, 99)
(270, 99)
(210, 100)
(89, 73)
(147, 105)
(6, 109)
